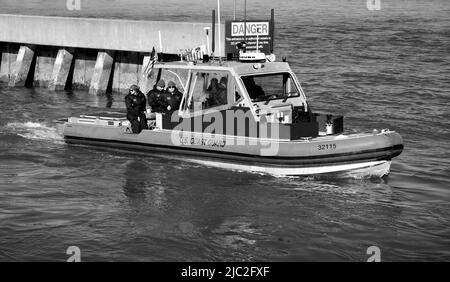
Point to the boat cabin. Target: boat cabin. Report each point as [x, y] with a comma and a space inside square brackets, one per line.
[236, 98]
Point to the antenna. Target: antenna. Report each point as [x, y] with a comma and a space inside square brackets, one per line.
[245, 20]
[258, 30]
[272, 28]
[207, 28]
[213, 33]
[218, 21]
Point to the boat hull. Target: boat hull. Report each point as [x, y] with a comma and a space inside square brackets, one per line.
[328, 154]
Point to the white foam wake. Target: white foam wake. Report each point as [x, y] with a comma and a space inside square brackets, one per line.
[357, 170]
[35, 131]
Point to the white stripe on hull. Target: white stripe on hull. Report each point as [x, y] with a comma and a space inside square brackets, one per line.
[354, 170]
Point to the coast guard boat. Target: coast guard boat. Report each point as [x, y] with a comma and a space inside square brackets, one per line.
[262, 123]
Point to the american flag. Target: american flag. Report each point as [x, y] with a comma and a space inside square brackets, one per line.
[151, 63]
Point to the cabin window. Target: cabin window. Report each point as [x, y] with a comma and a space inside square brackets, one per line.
[270, 87]
[207, 90]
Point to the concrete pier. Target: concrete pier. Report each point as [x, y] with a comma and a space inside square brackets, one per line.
[102, 72]
[85, 53]
[22, 66]
[8, 59]
[61, 69]
[45, 61]
[84, 63]
[126, 70]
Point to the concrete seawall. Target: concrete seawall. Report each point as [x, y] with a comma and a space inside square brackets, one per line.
[85, 53]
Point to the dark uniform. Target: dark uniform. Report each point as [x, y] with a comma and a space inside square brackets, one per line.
[173, 99]
[157, 100]
[136, 104]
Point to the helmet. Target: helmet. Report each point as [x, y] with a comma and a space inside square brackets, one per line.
[134, 87]
[161, 83]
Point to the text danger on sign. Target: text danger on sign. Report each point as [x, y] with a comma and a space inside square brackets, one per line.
[253, 28]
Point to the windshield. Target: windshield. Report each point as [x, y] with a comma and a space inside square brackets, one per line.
[270, 86]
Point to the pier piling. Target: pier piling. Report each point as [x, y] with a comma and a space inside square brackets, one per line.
[22, 66]
[102, 72]
[61, 69]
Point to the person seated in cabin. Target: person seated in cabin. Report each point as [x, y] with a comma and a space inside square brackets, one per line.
[157, 97]
[173, 98]
[218, 92]
[254, 91]
[136, 102]
[211, 92]
[213, 87]
[221, 98]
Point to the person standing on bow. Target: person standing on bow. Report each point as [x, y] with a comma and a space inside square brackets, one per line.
[136, 102]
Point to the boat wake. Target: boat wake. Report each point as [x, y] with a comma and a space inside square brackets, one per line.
[35, 131]
[376, 169]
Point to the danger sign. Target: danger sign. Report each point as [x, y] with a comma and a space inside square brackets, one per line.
[253, 28]
[258, 31]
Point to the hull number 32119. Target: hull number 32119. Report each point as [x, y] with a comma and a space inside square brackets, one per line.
[331, 146]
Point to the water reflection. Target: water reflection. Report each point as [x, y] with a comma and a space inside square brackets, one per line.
[143, 186]
[135, 181]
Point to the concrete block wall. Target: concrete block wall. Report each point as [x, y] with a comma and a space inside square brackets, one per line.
[98, 55]
[45, 61]
[83, 70]
[126, 70]
[76, 69]
[8, 57]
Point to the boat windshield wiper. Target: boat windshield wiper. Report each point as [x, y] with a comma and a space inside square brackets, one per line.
[269, 97]
[289, 95]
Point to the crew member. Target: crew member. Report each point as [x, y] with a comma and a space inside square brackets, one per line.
[254, 91]
[135, 102]
[157, 97]
[173, 97]
[218, 92]
[222, 95]
[212, 91]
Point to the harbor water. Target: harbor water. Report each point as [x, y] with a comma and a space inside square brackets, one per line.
[387, 68]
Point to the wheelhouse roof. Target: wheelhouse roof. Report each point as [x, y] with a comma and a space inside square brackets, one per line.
[239, 68]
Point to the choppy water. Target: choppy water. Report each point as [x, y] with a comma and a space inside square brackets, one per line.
[382, 69]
